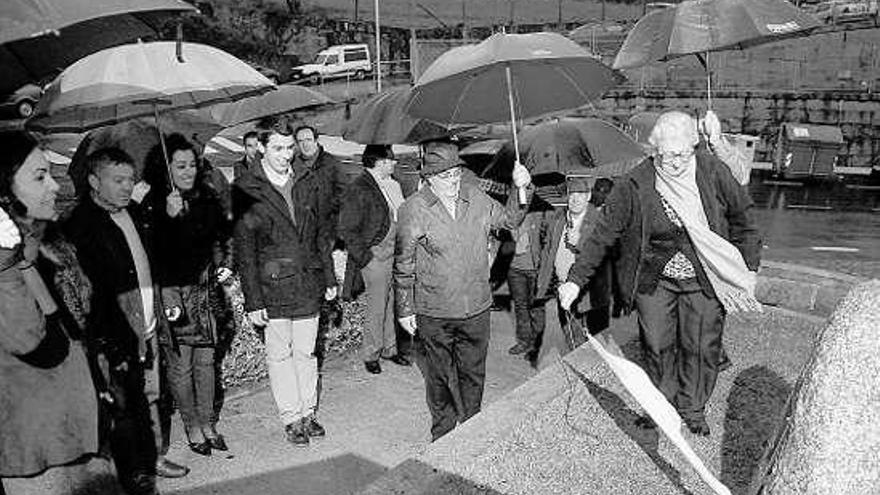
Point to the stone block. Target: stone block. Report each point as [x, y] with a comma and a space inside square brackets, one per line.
[831, 441]
[789, 294]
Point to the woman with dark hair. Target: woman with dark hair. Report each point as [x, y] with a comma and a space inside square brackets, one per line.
[191, 247]
[48, 404]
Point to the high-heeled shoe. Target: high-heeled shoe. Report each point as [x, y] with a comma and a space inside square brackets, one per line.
[201, 448]
[217, 443]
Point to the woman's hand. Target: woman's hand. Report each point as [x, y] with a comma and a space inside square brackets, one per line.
[9, 234]
[174, 204]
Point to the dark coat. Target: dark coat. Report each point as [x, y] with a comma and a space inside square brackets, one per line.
[623, 222]
[116, 319]
[599, 288]
[326, 175]
[189, 249]
[364, 220]
[283, 265]
[48, 404]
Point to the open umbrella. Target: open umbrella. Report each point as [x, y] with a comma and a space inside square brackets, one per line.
[698, 27]
[142, 79]
[509, 75]
[136, 137]
[573, 146]
[283, 99]
[38, 39]
[382, 119]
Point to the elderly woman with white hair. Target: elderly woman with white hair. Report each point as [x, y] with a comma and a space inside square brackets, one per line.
[689, 253]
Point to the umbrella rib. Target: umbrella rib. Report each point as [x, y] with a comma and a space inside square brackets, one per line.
[573, 83]
[458, 101]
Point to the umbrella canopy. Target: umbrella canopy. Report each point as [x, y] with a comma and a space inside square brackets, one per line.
[38, 39]
[382, 119]
[142, 79]
[700, 26]
[283, 99]
[543, 72]
[573, 146]
[137, 137]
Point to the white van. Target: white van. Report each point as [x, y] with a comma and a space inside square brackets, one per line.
[333, 62]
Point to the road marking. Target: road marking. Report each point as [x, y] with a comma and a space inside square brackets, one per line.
[835, 249]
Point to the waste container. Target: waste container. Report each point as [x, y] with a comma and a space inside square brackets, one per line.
[805, 151]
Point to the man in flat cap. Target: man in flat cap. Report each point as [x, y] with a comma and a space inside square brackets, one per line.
[441, 280]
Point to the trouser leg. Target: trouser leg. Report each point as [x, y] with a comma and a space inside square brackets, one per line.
[471, 345]
[204, 384]
[305, 333]
[435, 344]
[160, 413]
[132, 441]
[700, 328]
[180, 381]
[658, 322]
[521, 292]
[293, 368]
[377, 292]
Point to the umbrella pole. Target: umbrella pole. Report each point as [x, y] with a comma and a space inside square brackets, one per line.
[164, 148]
[708, 83]
[521, 191]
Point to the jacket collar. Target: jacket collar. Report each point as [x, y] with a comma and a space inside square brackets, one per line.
[644, 180]
[255, 184]
[465, 193]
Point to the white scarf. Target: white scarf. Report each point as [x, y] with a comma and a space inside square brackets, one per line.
[734, 284]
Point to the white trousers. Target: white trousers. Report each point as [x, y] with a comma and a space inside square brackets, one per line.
[293, 368]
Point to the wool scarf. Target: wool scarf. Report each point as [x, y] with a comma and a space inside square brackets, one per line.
[733, 282]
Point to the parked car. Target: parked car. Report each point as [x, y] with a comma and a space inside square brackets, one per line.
[335, 62]
[22, 102]
[834, 12]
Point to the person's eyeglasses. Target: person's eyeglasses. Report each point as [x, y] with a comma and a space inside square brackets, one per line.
[391, 161]
[677, 156]
[452, 173]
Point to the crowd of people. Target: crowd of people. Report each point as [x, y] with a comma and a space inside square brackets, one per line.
[118, 310]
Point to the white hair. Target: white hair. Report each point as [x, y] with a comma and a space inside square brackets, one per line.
[674, 125]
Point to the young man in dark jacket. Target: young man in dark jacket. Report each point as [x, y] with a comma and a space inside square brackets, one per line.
[286, 271]
[441, 281]
[127, 323]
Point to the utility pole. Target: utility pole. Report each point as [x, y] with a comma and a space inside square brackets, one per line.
[413, 47]
[512, 16]
[378, 49]
[559, 14]
[355, 11]
[464, 26]
[603, 12]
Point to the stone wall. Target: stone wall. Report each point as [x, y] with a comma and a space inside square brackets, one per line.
[761, 112]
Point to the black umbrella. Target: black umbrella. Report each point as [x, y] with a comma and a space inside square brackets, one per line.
[38, 39]
[382, 119]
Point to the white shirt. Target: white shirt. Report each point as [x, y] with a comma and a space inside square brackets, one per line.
[279, 180]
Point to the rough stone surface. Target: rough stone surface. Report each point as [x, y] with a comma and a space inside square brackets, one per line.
[570, 430]
[832, 440]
